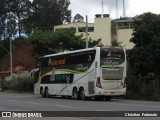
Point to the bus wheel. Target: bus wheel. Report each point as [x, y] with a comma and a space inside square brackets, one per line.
[42, 93]
[63, 97]
[75, 94]
[47, 93]
[69, 97]
[82, 94]
[108, 98]
[99, 98]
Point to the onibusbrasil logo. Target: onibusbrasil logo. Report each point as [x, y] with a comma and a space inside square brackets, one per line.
[21, 114]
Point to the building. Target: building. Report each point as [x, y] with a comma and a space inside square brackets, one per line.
[100, 29]
[124, 31]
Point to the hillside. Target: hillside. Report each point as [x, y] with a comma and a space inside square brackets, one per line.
[22, 59]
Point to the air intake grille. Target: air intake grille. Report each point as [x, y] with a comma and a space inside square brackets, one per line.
[112, 73]
[91, 87]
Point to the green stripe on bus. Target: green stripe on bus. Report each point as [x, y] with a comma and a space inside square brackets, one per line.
[65, 70]
[73, 82]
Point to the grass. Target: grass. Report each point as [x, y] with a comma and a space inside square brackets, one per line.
[13, 91]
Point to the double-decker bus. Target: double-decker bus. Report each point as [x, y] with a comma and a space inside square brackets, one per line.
[98, 72]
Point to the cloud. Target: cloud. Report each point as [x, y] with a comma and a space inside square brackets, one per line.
[111, 4]
[132, 7]
[92, 7]
[142, 6]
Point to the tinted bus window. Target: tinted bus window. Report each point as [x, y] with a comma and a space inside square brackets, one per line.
[112, 53]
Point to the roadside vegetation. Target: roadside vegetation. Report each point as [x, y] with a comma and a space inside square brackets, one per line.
[144, 59]
[17, 85]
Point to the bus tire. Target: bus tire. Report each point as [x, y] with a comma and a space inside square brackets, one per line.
[75, 94]
[47, 93]
[42, 93]
[63, 97]
[99, 98]
[69, 97]
[82, 94]
[108, 98]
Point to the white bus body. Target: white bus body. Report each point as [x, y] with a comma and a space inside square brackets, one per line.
[93, 72]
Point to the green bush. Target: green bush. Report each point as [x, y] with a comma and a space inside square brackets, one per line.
[18, 84]
[156, 97]
[147, 91]
[4, 84]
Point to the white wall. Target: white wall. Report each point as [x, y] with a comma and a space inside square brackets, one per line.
[102, 29]
[124, 36]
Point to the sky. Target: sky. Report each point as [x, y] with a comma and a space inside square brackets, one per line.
[132, 8]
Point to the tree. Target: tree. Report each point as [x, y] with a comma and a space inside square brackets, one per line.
[115, 43]
[12, 14]
[146, 27]
[78, 18]
[4, 48]
[21, 55]
[49, 42]
[18, 17]
[145, 56]
[47, 13]
[3, 17]
[20, 9]
[145, 38]
[64, 12]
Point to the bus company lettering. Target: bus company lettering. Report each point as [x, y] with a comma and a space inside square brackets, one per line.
[55, 62]
[80, 67]
[110, 62]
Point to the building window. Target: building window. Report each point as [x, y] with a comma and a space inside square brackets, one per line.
[65, 29]
[83, 29]
[126, 25]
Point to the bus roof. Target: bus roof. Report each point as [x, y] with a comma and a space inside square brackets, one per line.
[68, 52]
[81, 50]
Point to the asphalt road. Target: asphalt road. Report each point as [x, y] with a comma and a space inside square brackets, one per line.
[30, 102]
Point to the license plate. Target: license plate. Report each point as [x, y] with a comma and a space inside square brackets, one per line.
[112, 92]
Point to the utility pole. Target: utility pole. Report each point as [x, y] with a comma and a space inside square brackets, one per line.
[11, 64]
[86, 31]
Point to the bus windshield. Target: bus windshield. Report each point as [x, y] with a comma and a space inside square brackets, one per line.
[110, 59]
[111, 56]
[113, 53]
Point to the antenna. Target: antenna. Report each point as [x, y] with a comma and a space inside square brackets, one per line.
[124, 11]
[102, 8]
[117, 8]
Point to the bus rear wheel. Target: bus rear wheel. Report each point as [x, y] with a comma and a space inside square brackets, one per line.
[108, 98]
[47, 93]
[82, 94]
[75, 93]
[42, 93]
[99, 98]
